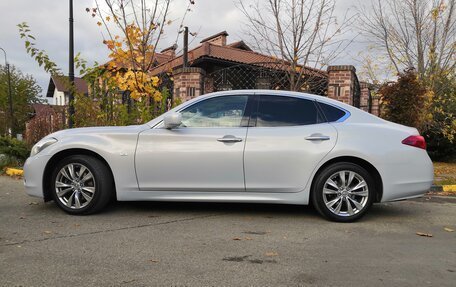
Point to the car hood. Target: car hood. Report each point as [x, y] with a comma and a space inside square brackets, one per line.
[99, 131]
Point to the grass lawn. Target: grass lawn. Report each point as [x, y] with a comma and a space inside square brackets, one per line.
[444, 173]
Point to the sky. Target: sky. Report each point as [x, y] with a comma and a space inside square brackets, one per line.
[48, 21]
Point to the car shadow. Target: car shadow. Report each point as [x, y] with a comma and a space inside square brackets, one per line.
[210, 207]
[378, 211]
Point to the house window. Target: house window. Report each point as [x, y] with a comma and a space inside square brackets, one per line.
[57, 101]
[191, 92]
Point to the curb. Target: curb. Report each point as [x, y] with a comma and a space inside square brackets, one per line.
[449, 188]
[14, 172]
[443, 188]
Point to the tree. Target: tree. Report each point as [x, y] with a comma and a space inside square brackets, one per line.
[297, 32]
[406, 101]
[133, 30]
[413, 33]
[133, 53]
[141, 26]
[25, 92]
[421, 34]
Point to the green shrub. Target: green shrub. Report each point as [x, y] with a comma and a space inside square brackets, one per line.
[15, 152]
[440, 133]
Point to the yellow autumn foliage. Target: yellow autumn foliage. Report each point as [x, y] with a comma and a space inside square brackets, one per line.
[131, 59]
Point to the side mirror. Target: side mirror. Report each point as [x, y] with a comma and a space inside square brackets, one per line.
[172, 120]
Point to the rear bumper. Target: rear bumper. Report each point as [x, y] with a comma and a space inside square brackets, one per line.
[407, 191]
[33, 175]
[410, 179]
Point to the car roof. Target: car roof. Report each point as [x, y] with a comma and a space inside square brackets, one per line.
[308, 96]
[356, 115]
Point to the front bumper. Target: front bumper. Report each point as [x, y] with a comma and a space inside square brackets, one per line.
[33, 174]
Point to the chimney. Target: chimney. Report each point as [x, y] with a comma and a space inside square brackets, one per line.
[218, 39]
[185, 54]
[170, 51]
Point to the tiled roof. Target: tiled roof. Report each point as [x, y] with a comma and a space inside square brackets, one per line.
[240, 45]
[223, 33]
[45, 109]
[159, 58]
[228, 53]
[59, 83]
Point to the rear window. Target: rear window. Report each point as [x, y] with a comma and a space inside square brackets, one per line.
[332, 113]
[279, 111]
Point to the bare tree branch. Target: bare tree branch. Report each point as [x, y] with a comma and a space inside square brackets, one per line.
[413, 33]
[299, 33]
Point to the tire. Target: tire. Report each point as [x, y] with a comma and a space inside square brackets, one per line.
[81, 185]
[338, 200]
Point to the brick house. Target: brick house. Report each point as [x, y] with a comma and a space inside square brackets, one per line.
[215, 65]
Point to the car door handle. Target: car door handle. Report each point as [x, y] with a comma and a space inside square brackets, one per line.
[317, 138]
[229, 139]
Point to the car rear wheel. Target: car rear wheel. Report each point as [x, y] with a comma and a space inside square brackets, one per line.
[343, 192]
[81, 184]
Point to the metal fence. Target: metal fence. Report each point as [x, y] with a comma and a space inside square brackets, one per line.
[264, 76]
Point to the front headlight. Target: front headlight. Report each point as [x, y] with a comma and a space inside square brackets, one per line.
[42, 144]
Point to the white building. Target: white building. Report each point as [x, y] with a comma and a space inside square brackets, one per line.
[58, 89]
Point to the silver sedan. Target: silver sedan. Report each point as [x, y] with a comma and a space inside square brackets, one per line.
[257, 146]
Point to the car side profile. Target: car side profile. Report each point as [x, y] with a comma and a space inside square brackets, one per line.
[258, 146]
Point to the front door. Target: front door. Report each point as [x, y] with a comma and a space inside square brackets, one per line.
[204, 154]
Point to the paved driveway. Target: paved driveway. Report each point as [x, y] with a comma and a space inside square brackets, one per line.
[169, 244]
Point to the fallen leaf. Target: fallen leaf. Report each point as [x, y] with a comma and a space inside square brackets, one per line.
[47, 232]
[237, 238]
[77, 224]
[424, 234]
[153, 261]
[248, 238]
[271, 253]
[448, 229]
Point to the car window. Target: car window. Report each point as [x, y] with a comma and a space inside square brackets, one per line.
[224, 111]
[332, 113]
[278, 111]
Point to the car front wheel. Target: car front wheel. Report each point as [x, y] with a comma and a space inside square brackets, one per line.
[81, 184]
[343, 192]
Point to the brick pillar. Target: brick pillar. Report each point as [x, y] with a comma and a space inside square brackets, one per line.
[341, 81]
[188, 83]
[365, 95]
[375, 109]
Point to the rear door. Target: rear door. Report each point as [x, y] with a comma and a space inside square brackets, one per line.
[287, 139]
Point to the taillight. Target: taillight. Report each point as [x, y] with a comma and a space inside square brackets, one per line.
[416, 141]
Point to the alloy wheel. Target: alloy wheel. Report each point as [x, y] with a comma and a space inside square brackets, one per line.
[345, 193]
[75, 186]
